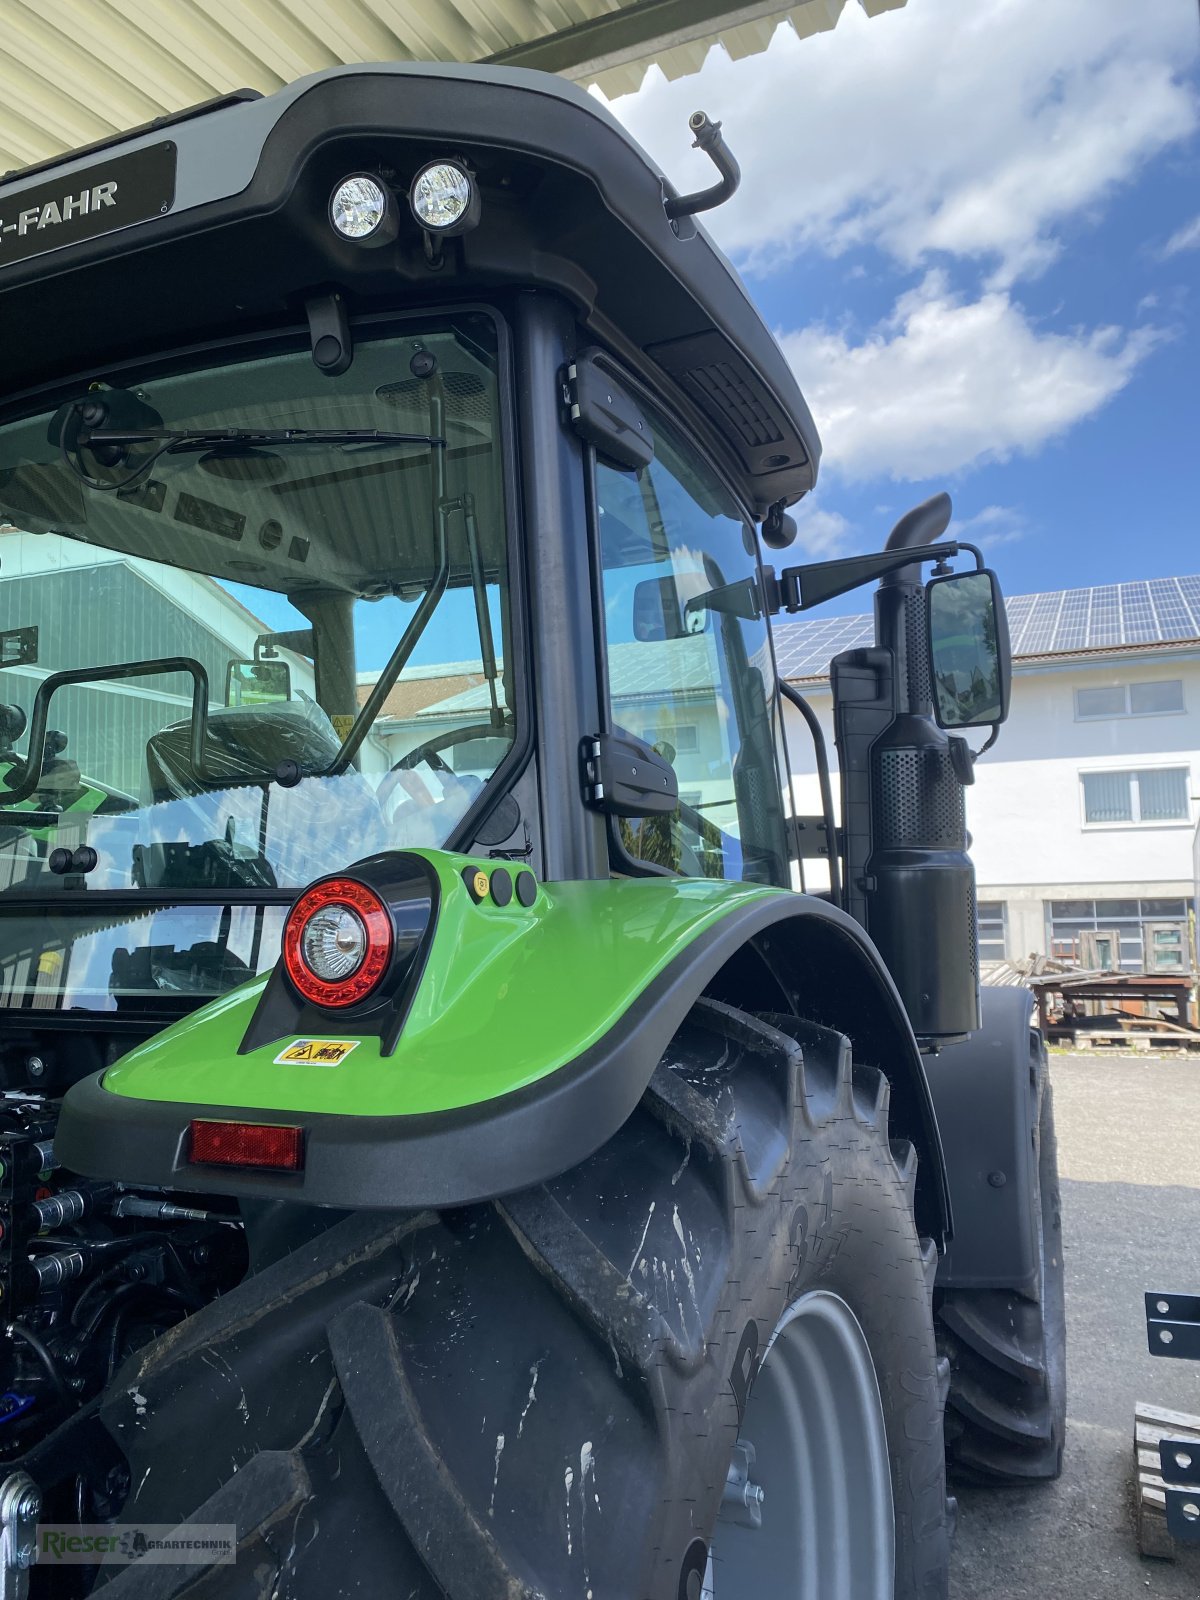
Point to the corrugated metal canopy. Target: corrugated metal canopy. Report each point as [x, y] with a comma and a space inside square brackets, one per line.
[76, 71]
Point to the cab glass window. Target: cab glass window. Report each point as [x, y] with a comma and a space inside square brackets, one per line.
[690, 667]
[263, 635]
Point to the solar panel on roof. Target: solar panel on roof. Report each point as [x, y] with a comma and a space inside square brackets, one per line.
[1145, 611]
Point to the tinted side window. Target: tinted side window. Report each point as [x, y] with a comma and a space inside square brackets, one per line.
[686, 672]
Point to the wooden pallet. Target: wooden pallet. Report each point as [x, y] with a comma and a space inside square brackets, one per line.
[1150, 1424]
[1147, 1039]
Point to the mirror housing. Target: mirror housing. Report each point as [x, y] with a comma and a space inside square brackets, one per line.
[257, 683]
[661, 611]
[970, 663]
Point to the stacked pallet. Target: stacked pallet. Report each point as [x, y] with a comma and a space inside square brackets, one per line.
[1150, 1425]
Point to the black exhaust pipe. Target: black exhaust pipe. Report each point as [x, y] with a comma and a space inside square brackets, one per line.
[921, 911]
[913, 885]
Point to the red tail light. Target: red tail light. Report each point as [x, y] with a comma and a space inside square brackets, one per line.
[247, 1144]
[337, 942]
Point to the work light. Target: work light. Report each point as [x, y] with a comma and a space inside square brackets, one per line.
[361, 208]
[444, 198]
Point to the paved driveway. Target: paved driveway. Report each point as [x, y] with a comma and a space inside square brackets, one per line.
[1129, 1146]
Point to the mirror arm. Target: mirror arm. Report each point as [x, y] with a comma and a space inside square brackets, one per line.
[740, 599]
[267, 645]
[801, 588]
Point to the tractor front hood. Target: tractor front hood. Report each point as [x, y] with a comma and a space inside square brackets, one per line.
[216, 223]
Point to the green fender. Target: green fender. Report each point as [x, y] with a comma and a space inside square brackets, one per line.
[530, 1037]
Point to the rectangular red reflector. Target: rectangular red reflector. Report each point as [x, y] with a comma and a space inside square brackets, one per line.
[247, 1144]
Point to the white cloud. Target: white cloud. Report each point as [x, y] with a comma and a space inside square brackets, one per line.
[822, 534]
[994, 525]
[946, 126]
[1185, 238]
[945, 384]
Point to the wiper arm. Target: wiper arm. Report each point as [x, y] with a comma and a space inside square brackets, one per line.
[181, 439]
[108, 445]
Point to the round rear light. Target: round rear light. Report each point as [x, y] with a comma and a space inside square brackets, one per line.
[337, 942]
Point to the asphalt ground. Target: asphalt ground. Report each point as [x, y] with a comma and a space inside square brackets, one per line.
[1129, 1154]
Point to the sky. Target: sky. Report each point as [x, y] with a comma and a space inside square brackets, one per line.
[975, 231]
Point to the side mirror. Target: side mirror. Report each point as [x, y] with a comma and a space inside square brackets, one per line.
[257, 683]
[969, 656]
[661, 610]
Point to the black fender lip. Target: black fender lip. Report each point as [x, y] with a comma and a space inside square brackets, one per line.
[495, 1147]
[982, 1093]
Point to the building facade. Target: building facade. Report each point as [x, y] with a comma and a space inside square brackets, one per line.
[1084, 814]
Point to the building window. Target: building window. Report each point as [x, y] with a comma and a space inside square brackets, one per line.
[1156, 699]
[1101, 702]
[1130, 934]
[992, 941]
[1150, 797]
[684, 736]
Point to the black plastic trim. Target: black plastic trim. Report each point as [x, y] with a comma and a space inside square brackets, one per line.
[560, 598]
[987, 1111]
[282, 1010]
[65, 896]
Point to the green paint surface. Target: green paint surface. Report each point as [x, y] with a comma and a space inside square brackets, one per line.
[508, 995]
[86, 801]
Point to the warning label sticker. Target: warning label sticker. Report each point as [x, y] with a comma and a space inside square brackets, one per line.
[316, 1052]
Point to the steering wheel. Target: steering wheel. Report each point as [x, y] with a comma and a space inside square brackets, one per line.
[402, 773]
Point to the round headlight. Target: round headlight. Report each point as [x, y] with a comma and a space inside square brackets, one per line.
[444, 198]
[360, 208]
[337, 942]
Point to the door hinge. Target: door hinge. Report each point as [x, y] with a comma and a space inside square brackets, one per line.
[604, 413]
[626, 777]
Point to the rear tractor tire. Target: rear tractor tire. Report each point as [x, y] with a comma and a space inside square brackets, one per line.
[722, 1318]
[1007, 1408]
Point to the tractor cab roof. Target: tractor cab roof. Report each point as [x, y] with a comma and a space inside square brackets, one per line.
[216, 222]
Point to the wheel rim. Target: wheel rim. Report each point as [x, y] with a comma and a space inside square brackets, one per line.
[819, 1453]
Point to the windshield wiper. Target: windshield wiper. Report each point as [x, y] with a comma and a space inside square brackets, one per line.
[108, 445]
[178, 439]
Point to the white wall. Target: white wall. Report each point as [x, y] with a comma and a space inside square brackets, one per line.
[1025, 809]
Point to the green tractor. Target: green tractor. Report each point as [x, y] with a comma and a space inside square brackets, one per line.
[441, 1153]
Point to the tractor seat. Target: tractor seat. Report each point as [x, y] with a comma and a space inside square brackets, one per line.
[243, 742]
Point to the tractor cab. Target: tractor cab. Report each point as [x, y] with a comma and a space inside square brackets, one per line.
[396, 823]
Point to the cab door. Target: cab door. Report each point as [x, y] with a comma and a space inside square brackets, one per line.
[689, 667]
